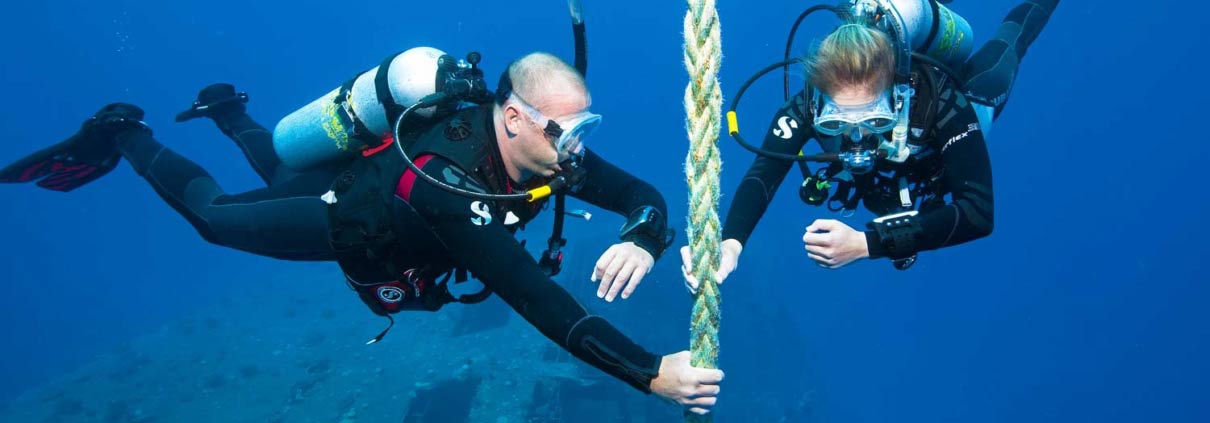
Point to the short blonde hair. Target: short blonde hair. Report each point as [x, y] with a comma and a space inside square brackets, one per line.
[853, 55]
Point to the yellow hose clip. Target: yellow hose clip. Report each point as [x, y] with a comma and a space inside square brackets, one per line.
[539, 193]
[732, 123]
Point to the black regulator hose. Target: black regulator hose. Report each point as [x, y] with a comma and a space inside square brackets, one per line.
[581, 38]
[556, 183]
[841, 13]
[733, 125]
[961, 84]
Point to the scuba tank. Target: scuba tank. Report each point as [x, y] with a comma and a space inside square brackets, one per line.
[340, 123]
[921, 28]
[934, 30]
[936, 34]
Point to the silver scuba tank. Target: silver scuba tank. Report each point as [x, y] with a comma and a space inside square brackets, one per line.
[952, 41]
[323, 130]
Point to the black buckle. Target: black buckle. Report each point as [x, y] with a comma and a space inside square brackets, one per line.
[904, 263]
[551, 261]
[553, 131]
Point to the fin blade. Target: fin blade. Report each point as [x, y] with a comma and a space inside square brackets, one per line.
[77, 176]
[26, 173]
[52, 171]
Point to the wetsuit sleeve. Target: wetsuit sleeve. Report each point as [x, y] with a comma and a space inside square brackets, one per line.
[473, 233]
[967, 178]
[789, 131]
[611, 188]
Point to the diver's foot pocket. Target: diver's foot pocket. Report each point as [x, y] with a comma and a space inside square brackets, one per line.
[216, 101]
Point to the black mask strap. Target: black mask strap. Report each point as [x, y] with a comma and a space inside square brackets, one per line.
[504, 88]
[553, 130]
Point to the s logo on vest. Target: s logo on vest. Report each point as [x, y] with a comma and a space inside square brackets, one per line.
[480, 209]
[785, 127]
[390, 294]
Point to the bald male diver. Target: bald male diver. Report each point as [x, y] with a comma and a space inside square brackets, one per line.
[436, 198]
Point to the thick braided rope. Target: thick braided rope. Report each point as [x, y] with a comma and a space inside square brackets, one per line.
[703, 106]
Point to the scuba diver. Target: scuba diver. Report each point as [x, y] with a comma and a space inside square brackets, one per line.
[405, 208]
[900, 132]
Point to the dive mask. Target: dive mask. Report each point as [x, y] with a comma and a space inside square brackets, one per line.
[877, 117]
[567, 136]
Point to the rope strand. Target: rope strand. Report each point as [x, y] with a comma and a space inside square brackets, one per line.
[703, 108]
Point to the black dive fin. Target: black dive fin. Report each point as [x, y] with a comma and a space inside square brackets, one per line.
[214, 99]
[84, 157]
[61, 167]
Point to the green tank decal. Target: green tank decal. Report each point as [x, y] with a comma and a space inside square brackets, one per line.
[949, 43]
[945, 42]
[334, 125]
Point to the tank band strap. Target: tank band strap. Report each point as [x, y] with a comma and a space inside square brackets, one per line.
[360, 130]
[382, 87]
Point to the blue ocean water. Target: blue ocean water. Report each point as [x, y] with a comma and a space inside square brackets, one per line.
[1084, 305]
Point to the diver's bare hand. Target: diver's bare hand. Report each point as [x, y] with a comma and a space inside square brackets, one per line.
[694, 388]
[833, 244]
[728, 261]
[622, 266]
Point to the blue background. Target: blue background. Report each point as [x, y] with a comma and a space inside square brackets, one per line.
[1088, 303]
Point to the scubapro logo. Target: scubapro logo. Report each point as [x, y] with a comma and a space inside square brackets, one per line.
[480, 209]
[785, 127]
[390, 294]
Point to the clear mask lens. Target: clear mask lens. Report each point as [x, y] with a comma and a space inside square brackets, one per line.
[875, 117]
[566, 141]
[572, 141]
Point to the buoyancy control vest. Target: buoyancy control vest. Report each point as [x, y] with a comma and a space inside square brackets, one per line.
[388, 252]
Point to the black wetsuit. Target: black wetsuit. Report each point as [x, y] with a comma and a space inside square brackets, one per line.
[289, 220]
[953, 162]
